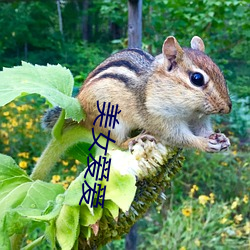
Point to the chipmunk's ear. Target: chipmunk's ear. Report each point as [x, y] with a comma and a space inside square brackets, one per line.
[197, 43]
[171, 49]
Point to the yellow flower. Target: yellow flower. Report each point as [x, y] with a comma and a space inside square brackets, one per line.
[234, 152]
[223, 220]
[55, 178]
[24, 107]
[6, 113]
[224, 164]
[235, 203]
[245, 199]
[211, 195]
[35, 159]
[187, 211]
[19, 108]
[223, 235]
[77, 162]
[70, 178]
[4, 134]
[12, 105]
[24, 154]
[203, 199]
[6, 141]
[238, 159]
[73, 168]
[193, 190]
[197, 242]
[65, 163]
[29, 135]
[29, 124]
[238, 218]
[23, 164]
[183, 248]
[6, 149]
[247, 227]
[14, 123]
[238, 233]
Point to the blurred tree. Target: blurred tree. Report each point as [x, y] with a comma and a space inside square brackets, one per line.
[58, 2]
[86, 21]
[134, 23]
[30, 31]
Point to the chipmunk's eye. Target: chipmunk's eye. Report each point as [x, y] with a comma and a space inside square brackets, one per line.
[197, 79]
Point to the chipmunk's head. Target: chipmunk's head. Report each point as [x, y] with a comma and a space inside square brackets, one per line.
[197, 75]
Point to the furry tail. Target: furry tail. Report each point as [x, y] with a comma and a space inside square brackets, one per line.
[50, 118]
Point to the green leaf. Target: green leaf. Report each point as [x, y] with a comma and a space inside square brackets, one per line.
[6, 186]
[112, 208]
[8, 220]
[80, 151]
[46, 215]
[50, 234]
[14, 198]
[120, 189]
[40, 193]
[34, 243]
[67, 226]
[86, 218]
[4, 240]
[27, 201]
[86, 232]
[9, 168]
[53, 82]
[20, 198]
[74, 194]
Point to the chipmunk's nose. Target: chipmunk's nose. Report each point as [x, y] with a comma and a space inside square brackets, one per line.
[227, 108]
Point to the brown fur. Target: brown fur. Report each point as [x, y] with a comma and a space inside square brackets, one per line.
[156, 95]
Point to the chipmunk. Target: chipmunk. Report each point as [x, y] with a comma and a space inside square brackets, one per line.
[169, 97]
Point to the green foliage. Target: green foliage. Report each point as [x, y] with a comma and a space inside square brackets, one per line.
[223, 25]
[81, 58]
[238, 121]
[52, 82]
[20, 197]
[198, 224]
[30, 32]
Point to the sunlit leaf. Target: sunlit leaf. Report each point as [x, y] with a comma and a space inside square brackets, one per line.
[86, 218]
[67, 226]
[9, 168]
[53, 82]
[120, 189]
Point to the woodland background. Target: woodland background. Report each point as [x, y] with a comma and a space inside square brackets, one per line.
[207, 206]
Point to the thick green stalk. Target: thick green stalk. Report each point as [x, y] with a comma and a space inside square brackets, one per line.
[57, 147]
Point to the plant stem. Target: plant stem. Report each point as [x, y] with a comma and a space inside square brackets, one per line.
[58, 146]
[16, 240]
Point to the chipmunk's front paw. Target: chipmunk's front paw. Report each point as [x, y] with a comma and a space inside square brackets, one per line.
[141, 139]
[218, 142]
